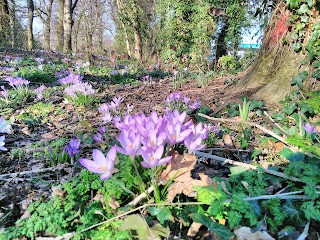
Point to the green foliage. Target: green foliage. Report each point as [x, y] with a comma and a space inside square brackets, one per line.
[34, 74]
[74, 211]
[217, 228]
[229, 63]
[183, 36]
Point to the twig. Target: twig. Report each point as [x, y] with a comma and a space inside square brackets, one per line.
[245, 165]
[142, 196]
[304, 234]
[289, 195]
[141, 207]
[3, 176]
[261, 128]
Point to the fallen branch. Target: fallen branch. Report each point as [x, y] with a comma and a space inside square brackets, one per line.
[3, 176]
[273, 134]
[289, 195]
[245, 165]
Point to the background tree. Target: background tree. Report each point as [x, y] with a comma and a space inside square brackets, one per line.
[68, 24]
[30, 24]
[60, 29]
[4, 22]
[44, 10]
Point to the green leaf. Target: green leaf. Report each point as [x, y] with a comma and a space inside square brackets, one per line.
[237, 170]
[159, 230]
[293, 3]
[217, 228]
[303, 9]
[299, 79]
[317, 64]
[292, 156]
[300, 26]
[304, 19]
[296, 46]
[207, 194]
[162, 214]
[316, 74]
[294, 36]
[295, 216]
[136, 222]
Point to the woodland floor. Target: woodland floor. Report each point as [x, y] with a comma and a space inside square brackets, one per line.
[29, 140]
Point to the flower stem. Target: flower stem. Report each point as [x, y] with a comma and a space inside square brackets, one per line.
[139, 176]
[156, 188]
[122, 186]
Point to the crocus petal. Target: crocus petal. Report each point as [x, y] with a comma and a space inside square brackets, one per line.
[105, 176]
[164, 160]
[98, 157]
[145, 164]
[90, 165]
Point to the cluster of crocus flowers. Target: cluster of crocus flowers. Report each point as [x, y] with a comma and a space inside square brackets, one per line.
[81, 88]
[178, 101]
[111, 111]
[17, 81]
[70, 79]
[152, 137]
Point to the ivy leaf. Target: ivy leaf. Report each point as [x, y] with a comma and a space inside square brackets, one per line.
[309, 2]
[303, 9]
[292, 156]
[162, 214]
[317, 64]
[299, 79]
[217, 228]
[294, 36]
[304, 19]
[316, 74]
[293, 3]
[295, 217]
[296, 46]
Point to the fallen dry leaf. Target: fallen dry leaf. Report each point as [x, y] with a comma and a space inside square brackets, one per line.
[179, 168]
[194, 229]
[113, 203]
[244, 233]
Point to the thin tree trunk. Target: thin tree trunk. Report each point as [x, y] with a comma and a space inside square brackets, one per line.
[30, 24]
[12, 17]
[137, 48]
[60, 30]
[67, 25]
[120, 7]
[4, 13]
[47, 26]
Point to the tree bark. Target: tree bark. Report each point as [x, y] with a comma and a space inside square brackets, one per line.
[67, 25]
[269, 79]
[60, 30]
[12, 17]
[4, 14]
[47, 26]
[30, 24]
[137, 42]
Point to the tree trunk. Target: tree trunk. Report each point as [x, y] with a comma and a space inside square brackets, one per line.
[269, 79]
[60, 30]
[137, 48]
[67, 25]
[30, 24]
[4, 15]
[47, 26]
[12, 17]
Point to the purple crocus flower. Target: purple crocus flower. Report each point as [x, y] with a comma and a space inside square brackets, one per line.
[39, 60]
[310, 128]
[102, 130]
[196, 105]
[130, 142]
[4, 92]
[113, 72]
[39, 91]
[153, 158]
[98, 137]
[2, 143]
[7, 58]
[100, 164]
[74, 147]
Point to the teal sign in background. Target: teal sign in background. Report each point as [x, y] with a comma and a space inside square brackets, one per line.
[250, 45]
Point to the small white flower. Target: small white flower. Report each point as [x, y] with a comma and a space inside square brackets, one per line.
[2, 148]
